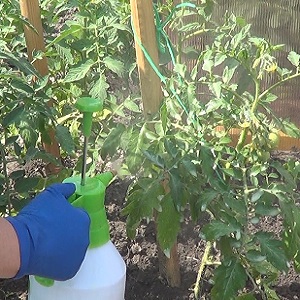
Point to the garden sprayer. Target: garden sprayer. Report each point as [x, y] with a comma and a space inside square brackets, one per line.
[103, 271]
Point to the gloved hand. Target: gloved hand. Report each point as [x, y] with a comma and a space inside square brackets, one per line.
[53, 235]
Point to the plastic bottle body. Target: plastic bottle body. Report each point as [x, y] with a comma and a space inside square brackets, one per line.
[101, 276]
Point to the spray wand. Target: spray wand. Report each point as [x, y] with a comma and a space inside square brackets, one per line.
[87, 106]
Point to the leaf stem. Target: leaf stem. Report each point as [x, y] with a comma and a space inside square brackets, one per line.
[268, 90]
[256, 97]
[246, 198]
[4, 168]
[204, 261]
[193, 34]
[233, 93]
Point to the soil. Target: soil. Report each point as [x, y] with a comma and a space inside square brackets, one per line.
[143, 279]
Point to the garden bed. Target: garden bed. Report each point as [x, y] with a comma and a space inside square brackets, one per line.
[140, 255]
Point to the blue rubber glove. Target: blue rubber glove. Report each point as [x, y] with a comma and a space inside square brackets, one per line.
[53, 235]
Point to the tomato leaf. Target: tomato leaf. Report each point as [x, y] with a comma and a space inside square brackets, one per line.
[229, 278]
[168, 224]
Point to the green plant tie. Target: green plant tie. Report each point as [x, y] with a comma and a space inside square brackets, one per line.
[160, 27]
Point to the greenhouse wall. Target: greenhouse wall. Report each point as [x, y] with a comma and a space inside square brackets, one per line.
[277, 21]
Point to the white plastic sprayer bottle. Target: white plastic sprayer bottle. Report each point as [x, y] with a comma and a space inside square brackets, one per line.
[103, 271]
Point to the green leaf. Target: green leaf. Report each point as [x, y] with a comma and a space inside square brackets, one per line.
[11, 140]
[14, 115]
[208, 62]
[290, 129]
[248, 296]
[216, 229]
[190, 167]
[244, 82]
[256, 195]
[168, 224]
[291, 232]
[289, 180]
[20, 63]
[164, 116]
[24, 185]
[65, 52]
[229, 70]
[206, 197]
[207, 65]
[229, 278]
[237, 39]
[137, 144]
[79, 71]
[216, 88]
[294, 58]
[28, 132]
[156, 159]
[255, 256]
[180, 69]
[31, 153]
[141, 200]
[270, 98]
[219, 58]
[235, 204]
[65, 139]
[266, 206]
[176, 188]
[271, 294]
[114, 65]
[131, 105]
[273, 249]
[3, 200]
[22, 87]
[112, 141]
[209, 168]
[99, 88]
[74, 29]
[17, 174]
[170, 147]
[18, 204]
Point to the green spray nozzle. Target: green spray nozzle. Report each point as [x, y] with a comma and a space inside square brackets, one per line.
[87, 106]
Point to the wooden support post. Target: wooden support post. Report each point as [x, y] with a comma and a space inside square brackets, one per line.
[144, 28]
[30, 9]
[143, 23]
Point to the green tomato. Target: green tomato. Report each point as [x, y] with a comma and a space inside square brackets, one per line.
[263, 155]
[273, 140]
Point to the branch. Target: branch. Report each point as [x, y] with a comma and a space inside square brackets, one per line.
[278, 84]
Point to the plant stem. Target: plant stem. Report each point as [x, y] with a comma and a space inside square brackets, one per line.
[4, 168]
[233, 93]
[256, 97]
[204, 261]
[242, 138]
[246, 197]
[193, 34]
[268, 90]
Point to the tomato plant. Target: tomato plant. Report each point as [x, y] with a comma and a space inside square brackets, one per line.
[184, 148]
[86, 43]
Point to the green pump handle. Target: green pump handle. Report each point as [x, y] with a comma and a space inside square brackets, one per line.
[90, 197]
[87, 106]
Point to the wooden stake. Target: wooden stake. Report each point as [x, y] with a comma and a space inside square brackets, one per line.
[30, 9]
[143, 23]
[144, 28]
